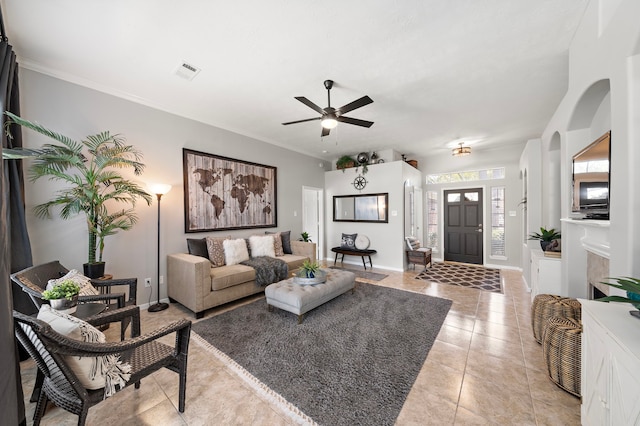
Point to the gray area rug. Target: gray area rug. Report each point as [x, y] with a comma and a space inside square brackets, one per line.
[352, 361]
[373, 276]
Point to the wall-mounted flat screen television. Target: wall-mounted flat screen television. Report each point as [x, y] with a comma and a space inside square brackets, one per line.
[591, 177]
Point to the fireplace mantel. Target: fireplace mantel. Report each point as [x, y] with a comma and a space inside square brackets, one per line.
[596, 235]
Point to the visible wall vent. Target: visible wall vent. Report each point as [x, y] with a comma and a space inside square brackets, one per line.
[186, 71]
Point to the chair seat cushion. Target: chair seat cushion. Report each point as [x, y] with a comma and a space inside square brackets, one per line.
[93, 372]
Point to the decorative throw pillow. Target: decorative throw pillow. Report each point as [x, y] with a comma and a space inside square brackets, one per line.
[262, 245]
[198, 247]
[215, 250]
[348, 241]
[86, 288]
[99, 372]
[286, 241]
[235, 251]
[362, 242]
[277, 244]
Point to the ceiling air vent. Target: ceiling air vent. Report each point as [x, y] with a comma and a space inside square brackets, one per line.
[186, 71]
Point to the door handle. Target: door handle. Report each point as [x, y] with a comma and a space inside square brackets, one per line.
[479, 230]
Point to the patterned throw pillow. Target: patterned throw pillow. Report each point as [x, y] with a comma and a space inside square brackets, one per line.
[277, 244]
[286, 241]
[215, 250]
[99, 372]
[235, 251]
[262, 245]
[348, 241]
[86, 288]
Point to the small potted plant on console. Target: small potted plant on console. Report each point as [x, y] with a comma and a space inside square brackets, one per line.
[546, 237]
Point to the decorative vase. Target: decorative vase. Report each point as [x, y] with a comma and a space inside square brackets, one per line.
[64, 304]
[93, 270]
[544, 245]
[374, 158]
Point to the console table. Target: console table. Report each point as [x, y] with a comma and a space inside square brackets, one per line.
[353, 252]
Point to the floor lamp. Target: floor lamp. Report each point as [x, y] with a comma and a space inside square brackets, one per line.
[159, 189]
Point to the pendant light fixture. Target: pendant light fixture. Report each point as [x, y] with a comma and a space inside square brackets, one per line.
[461, 151]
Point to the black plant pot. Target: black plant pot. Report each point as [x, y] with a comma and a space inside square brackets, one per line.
[94, 270]
[544, 244]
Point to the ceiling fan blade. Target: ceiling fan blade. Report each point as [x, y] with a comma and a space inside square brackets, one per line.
[355, 121]
[302, 121]
[325, 132]
[358, 103]
[310, 104]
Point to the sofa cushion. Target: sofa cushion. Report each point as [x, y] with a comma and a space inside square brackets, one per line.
[215, 250]
[197, 247]
[262, 245]
[235, 251]
[293, 261]
[286, 241]
[277, 245]
[230, 275]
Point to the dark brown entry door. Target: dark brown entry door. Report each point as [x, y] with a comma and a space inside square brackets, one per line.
[463, 225]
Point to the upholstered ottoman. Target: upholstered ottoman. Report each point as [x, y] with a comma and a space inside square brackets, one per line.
[300, 299]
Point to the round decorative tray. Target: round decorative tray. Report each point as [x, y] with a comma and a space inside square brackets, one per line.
[301, 279]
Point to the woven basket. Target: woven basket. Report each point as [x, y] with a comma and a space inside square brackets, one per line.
[561, 348]
[547, 306]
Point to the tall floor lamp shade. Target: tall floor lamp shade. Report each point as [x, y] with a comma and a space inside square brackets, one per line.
[159, 189]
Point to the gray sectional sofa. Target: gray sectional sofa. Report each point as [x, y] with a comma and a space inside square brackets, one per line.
[194, 283]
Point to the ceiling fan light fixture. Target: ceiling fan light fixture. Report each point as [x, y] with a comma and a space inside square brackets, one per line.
[461, 151]
[329, 122]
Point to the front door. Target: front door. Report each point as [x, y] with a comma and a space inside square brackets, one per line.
[463, 225]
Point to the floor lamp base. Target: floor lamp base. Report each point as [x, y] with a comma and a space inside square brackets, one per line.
[157, 307]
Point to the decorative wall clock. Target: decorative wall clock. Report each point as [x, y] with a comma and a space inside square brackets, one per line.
[360, 182]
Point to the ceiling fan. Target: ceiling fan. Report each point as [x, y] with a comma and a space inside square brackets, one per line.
[331, 116]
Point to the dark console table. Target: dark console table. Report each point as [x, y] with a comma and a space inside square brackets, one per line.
[353, 252]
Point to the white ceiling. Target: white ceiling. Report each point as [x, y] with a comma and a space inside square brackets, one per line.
[437, 70]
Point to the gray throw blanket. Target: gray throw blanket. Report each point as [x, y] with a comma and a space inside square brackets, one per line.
[268, 269]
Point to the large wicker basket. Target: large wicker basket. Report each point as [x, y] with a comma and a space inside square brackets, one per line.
[561, 347]
[547, 306]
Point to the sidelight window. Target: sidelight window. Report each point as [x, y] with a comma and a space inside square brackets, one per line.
[497, 222]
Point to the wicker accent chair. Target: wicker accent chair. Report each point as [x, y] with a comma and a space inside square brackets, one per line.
[33, 281]
[61, 386]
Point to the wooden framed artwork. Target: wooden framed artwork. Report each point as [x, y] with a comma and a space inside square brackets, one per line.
[222, 193]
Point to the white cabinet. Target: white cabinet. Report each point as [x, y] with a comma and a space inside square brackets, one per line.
[610, 364]
[545, 274]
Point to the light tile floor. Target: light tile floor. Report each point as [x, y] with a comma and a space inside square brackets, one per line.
[484, 368]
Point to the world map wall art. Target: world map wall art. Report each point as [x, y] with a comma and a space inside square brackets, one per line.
[222, 193]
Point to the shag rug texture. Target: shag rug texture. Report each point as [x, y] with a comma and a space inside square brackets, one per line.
[352, 361]
[463, 275]
[373, 276]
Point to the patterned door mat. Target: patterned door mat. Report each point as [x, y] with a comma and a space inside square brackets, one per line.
[463, 275]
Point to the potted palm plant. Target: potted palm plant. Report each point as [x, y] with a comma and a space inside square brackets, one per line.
[631, 286]
[546, 237]
[91, 170]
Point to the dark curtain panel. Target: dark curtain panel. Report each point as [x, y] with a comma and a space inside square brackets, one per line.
[11, 207]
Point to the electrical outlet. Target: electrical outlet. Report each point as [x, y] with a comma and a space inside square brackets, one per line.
[161, 279]
[147, 282]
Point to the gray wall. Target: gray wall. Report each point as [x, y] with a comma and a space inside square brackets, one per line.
[77, 111]
[507, 157]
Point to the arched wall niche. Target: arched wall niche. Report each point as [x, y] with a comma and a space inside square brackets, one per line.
[554, 186]
[589, 104]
